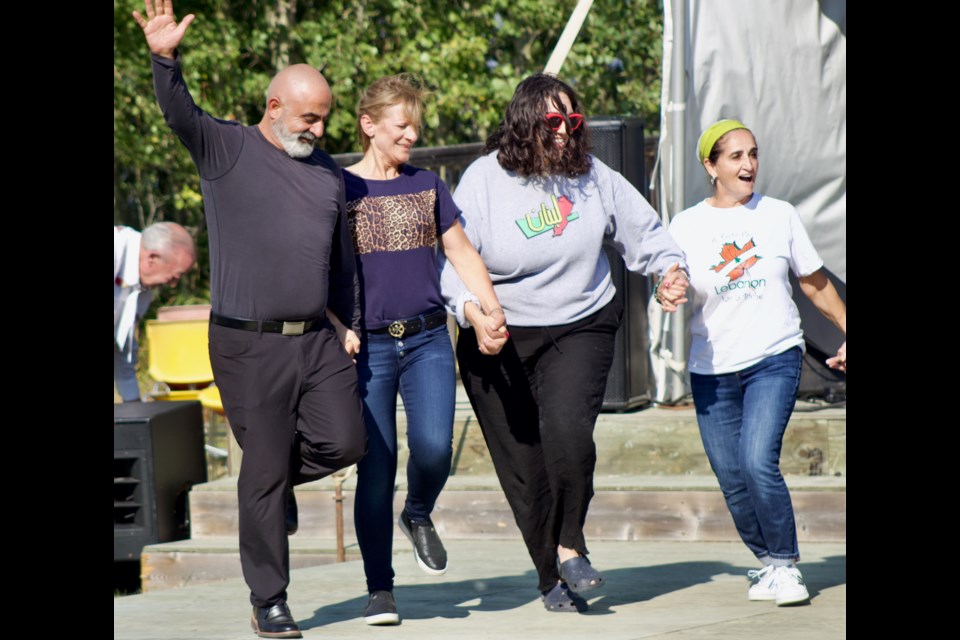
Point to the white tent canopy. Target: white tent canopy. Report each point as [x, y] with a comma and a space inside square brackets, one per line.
[780, 68]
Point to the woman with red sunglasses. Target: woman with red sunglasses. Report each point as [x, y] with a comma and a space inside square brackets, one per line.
[539, 209]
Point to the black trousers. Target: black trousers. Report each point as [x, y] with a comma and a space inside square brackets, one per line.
[537, 403]
[293, 407]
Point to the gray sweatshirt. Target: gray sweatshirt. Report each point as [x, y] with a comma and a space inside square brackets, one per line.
[541, 240]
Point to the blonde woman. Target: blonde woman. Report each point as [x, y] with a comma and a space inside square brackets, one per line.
[399, 216]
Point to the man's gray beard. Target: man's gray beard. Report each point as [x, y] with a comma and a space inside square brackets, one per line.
[292, 144]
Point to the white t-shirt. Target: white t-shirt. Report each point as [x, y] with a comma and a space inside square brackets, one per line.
[743, 310]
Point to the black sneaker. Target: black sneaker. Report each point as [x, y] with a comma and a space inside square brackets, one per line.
[427, 548]
[381, 609]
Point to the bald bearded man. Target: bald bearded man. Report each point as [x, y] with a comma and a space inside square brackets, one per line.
[280, 254]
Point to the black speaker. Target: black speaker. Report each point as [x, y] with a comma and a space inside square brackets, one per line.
[158, 455]
[618, 142]
[822, 339]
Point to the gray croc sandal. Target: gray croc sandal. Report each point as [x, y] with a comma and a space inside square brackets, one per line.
[561, 599]
[579, 574]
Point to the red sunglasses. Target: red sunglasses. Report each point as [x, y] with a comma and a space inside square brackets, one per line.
[554, 120]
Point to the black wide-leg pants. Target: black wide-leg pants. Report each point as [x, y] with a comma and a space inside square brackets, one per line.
[537, 402]
[293, 406]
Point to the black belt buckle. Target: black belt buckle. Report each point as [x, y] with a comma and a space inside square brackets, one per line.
[396, 329]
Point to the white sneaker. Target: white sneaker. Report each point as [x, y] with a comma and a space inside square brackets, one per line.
[766, 588]
[790, 586]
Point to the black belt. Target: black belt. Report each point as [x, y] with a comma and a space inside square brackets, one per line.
[413, 326]
[287, 328]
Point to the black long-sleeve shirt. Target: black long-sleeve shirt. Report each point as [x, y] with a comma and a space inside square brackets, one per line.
[280, 248]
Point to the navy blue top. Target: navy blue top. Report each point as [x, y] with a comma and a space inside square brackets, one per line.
[395, 225]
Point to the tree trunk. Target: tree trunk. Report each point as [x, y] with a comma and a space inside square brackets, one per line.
[281, 20]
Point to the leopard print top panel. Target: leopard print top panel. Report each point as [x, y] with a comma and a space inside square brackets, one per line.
[393, 223]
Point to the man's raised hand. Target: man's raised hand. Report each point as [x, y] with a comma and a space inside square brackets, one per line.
[161, 30]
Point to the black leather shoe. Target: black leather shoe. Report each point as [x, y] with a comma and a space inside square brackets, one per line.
[274, 622]
[427, 548]
[291, 515]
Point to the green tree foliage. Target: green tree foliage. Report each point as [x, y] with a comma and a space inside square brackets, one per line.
[470, 53]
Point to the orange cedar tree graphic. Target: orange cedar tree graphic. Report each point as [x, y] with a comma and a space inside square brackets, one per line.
[731, 253]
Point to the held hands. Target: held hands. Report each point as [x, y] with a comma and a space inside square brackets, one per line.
[839, 361]
[672, 288]
[161, 29]
[350, 341]
[491, 329]
[347, 337]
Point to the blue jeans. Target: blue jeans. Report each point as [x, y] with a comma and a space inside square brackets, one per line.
[742, 418]
[421, 369]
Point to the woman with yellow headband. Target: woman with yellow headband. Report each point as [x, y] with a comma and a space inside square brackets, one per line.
[747, 345]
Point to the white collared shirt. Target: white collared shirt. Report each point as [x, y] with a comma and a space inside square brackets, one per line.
[130, 301]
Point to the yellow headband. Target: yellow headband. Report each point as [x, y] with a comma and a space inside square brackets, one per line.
[713, 133]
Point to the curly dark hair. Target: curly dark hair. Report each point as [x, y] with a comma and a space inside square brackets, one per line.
[525, 140]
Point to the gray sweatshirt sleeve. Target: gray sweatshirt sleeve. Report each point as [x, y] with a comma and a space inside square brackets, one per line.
[634, 230]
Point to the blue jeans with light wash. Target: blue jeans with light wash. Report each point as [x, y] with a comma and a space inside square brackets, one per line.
[421, 369]
[742, 418]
